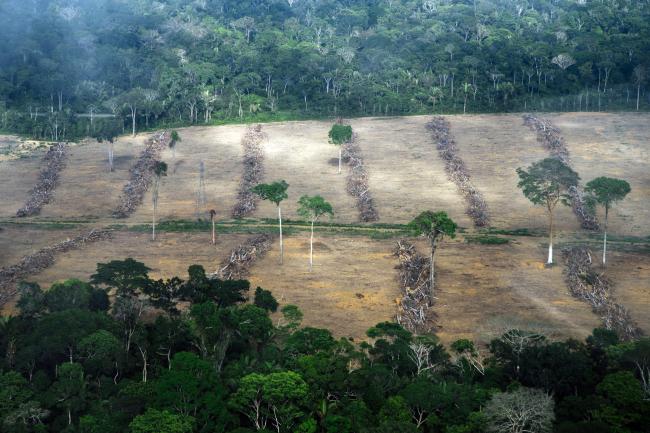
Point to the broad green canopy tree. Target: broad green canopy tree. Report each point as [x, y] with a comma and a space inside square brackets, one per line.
[274, 192]
[313, 208]
[606, 191]
[175, 138]
[340, 134]
[435, 226]
[546, 183]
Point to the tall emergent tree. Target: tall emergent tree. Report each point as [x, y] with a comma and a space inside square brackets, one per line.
[313, 208]
[546, 183]
[338, 135]
[606, 191]
[433, 225]
[108, 132]
[274, 192]
[175, 138]
[159, 170]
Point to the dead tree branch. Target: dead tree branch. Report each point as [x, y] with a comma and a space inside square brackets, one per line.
[48, 179]
[457, 171]
[237, 265]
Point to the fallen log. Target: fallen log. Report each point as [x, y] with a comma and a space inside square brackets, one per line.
[42, 259]
[141, 175]
[596, 289]
[253, 164]
[457, 171]
[237, 265]
[48, 180]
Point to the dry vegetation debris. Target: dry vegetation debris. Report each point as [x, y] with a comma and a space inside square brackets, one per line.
[48, 179]
[357, 181]
[253, 170]
[550, 137]
[237, 265]
[141, 175]
[457, 171]
[414, 311]
[596, 289]
[42, 259]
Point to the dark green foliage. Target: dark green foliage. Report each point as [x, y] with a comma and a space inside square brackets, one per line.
[340, 134]
[274, 192]
[225, 366]
[546, 181]
[433, 224]
[264, 299]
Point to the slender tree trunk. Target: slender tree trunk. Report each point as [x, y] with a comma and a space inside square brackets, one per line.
[281, 245]
[133, 110]
[214, 235]
[153, 224]
[638, 94]
[605, 237]
[69, 417]
[311, 247]
[550, 238]
[340, 153]
[432, 270]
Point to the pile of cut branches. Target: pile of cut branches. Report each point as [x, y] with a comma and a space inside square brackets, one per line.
[414, 311]
[549, 136]
[42, 259]
[595, 289]
[253, 170]
[357, 181]
[141, 175]
[48, 179]
[236, 266]
[457, 171]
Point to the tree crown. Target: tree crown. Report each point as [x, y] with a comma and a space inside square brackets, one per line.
[433, 224]
[314, 207]
[545, 181]
[340, 134]
[274, 192]
[606, 190]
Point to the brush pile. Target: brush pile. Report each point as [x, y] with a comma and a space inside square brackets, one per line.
[414, 311]
[141, 175]
[42, 259]
[253, 171]
[548, 135]
[237, 265]
[595, 289]
[48, 179]
[457, 171]
[357, 181]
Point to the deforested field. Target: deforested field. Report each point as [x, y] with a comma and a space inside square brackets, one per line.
[481, 290]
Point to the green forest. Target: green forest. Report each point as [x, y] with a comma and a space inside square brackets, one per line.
[68, 68]
[207, 361]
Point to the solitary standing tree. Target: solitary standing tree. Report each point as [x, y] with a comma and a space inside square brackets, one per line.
[606, 191]
[175, 138]
[433, 225]
[313, 208]
[108, 132]
[159, 170]
[546, 183]
[338, 135]
[274, 192]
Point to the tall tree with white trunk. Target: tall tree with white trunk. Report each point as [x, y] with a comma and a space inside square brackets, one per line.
[313, 208]
[340, 134]
[274, 192]
[606, 191]
[546, 183]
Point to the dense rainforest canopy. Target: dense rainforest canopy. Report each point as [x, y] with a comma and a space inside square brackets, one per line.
[149, 63]
[191, 355]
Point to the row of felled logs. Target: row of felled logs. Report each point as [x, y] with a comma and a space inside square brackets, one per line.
[457, 171]
[42, 259]
[595, 289]
[48, 179]
[141, 175]
[357, 181]
[414, 311]
[237, 265]
[253, 165]
[549, 136]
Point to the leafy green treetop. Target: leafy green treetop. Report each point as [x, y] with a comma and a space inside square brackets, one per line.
[313, 208]
[274, 192]
[338, 135]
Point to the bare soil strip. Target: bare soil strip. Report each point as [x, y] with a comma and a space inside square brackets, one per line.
[141, 175]
[595, 289]
[253, 163]
[457, 171]
[42, 193]
[357, 181]
[414, 309]
[42, 259]
[549, 136]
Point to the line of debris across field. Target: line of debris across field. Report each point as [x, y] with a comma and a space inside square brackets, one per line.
[48, 180]
[357, 181]
[253, 164]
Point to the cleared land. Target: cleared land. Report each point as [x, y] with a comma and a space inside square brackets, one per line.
[482, 289]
